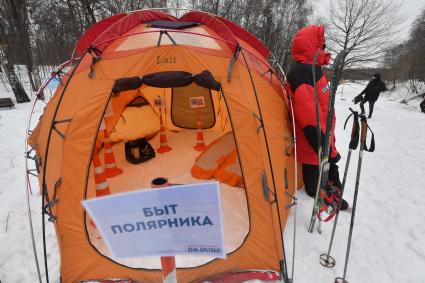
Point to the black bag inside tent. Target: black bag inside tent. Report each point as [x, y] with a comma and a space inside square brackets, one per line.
[138, 151]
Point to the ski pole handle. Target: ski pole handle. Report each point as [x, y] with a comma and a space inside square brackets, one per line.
[355, 130]
[363, 132]
[354, 135]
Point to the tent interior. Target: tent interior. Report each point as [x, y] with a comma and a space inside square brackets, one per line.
[132, 121]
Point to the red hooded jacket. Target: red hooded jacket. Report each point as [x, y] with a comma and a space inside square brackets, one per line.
[306, 43]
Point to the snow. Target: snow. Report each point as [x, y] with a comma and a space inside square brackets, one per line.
[389, 221]
[387, 243]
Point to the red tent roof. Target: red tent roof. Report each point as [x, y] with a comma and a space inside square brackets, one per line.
[101, 34]
[126, 24]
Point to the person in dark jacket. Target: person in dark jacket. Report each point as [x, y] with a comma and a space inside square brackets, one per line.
[306, 43]
[371, 92]
[422, 105]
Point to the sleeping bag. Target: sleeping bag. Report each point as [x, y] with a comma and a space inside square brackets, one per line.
[219, 161]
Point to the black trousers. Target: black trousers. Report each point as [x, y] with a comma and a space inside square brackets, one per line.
[422, 105]
[311, 176]
[371, 103]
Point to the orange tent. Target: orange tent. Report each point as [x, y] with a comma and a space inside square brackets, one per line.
[169, 61]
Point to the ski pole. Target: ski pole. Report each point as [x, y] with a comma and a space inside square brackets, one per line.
[319, 145]
[363, 134]
[326, 259]
[324, 149]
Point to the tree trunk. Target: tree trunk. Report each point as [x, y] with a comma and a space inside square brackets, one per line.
[19, 15]
[89, 13]
[17, 88]
[78, 25]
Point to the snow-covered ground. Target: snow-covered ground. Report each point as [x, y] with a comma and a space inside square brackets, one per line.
[387, 244]
[389, 226]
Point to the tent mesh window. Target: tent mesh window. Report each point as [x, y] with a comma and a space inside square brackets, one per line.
[190, 101]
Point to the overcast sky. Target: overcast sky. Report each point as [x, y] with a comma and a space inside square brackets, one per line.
[410, 9]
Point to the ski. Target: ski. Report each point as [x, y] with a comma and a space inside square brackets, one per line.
[404, 101]
[324, 148]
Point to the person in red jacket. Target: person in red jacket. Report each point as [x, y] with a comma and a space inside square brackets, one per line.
[306, 43]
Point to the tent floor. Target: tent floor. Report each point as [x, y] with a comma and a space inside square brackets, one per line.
[174, 165]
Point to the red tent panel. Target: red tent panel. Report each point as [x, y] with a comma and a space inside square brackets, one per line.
[247, 36]
[93, 32]
[213, 23]
[127, 23]
[102, 33]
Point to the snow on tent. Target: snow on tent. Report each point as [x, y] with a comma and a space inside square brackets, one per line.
[129, 91]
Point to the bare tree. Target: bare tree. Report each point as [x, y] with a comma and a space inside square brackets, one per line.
[273, 22]
[395, 70]
[49, 29]
[406, 61]
[89, 7]
[115, 7]
[364, 29]
[415, 46]
[5, 64]
[15, 15]
[17, 88]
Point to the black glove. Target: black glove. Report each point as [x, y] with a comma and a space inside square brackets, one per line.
[334, 175]
[358, 98]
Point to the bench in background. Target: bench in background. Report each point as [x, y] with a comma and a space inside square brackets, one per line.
[6, 102]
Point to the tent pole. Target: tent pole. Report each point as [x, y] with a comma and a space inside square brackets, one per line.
[44, 193]
[46, 81]
[283, 264]
[27, 195]
[295, 165]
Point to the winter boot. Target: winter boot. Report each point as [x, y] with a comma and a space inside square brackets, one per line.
[344, 205]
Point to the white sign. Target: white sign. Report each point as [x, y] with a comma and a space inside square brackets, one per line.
[175, 220]
[197, 102]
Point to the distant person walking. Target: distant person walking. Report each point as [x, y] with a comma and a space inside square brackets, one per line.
[371, 92]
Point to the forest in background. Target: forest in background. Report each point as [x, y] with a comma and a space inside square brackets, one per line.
[37, 33]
